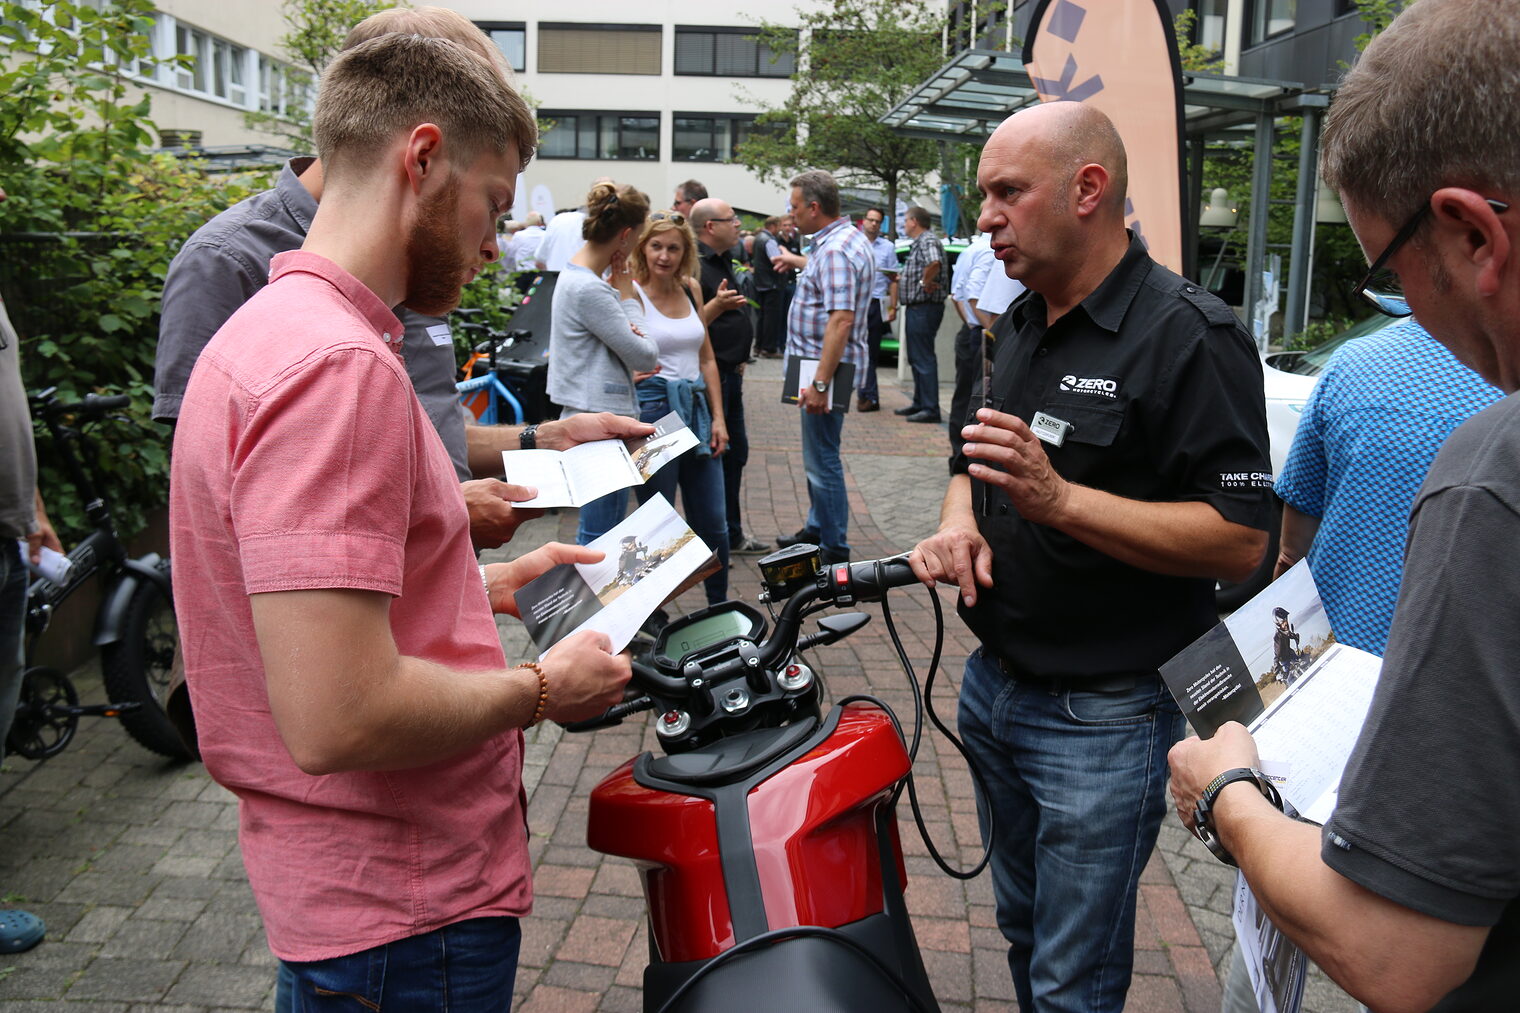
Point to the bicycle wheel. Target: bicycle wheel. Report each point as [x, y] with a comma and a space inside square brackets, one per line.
[137, 668]
[40, 729]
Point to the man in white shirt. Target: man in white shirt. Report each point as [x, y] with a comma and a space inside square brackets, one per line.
[967, 279]
[561, 241]
[523, 254]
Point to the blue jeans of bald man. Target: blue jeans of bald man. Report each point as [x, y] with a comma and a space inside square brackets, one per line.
[1076, 780]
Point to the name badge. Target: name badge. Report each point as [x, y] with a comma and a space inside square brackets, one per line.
[440, 334]
[1049, 428]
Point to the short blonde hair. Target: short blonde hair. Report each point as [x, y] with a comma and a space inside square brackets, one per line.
[660, 222]
[395, 81]
[435, 23]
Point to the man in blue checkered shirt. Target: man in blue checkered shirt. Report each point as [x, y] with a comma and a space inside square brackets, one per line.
[827, 322]
[1377, 417]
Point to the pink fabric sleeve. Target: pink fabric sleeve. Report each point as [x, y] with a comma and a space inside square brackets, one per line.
[323, 471]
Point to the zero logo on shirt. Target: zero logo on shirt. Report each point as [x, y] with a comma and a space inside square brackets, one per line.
[1104, 386]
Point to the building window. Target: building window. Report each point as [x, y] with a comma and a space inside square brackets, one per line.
[511, 37]
[220, 68]
[1270, 17]
[728, 52]
[593, 135]
[1213, 24]
[709, 137]
[598, 49]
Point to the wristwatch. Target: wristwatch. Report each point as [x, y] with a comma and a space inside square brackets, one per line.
[528, 438]
[821, 386]
[1203, 815]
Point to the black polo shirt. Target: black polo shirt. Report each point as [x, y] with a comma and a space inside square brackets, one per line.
[732, 332]
[1162, 389]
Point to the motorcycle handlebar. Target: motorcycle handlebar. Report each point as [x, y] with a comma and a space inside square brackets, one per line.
[844, 583]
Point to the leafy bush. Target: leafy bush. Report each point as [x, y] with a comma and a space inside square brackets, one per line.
[93, 218]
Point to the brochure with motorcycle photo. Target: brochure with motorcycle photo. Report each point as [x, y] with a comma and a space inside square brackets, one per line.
[645, 560]
[590, 471]
[1275, 666]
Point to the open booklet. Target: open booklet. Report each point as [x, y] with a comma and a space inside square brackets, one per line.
[1275, 666]
[645, 560]
[590, 471]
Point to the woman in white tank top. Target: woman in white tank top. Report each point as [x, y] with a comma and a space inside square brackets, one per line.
[664, 268]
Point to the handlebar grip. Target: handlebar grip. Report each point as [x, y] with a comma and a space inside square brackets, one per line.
[872, 579]
[93, 405]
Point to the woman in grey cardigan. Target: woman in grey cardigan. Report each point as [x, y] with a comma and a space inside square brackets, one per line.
[596, 348]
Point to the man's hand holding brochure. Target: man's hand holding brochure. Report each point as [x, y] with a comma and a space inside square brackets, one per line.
[581, 474]
[1273, 669]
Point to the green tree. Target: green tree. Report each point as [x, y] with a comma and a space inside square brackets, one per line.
[316, 30]
[855, 60]
[93, 218]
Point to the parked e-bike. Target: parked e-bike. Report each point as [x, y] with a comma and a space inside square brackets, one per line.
[766, 836]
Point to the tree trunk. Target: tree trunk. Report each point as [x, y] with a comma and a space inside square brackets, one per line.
[891, 208]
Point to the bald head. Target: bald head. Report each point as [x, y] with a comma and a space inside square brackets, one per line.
[1068, 136]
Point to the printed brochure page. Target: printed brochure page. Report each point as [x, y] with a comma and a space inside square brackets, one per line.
[645, 559]
[1275, 666]
[590, 471]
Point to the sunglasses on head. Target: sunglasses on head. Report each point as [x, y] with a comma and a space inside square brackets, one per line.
[670, 216]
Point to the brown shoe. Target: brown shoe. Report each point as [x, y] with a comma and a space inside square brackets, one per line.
[866, 405]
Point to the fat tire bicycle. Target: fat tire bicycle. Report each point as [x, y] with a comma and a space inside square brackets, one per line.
[135, 628]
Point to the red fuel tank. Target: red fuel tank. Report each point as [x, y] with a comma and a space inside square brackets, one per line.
[813, 827]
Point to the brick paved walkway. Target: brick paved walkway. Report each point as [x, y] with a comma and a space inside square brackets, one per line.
[134, 865]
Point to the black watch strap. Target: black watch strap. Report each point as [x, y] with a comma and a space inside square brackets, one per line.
[1203, 815]
[528, 438]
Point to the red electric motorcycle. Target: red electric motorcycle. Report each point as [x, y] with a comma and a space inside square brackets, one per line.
[766, 836]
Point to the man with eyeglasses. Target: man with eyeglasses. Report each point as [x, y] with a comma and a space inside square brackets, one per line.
[725, 312]
[1409, 897]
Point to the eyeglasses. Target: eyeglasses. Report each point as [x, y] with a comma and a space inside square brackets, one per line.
[1382, 287]
[671, 216]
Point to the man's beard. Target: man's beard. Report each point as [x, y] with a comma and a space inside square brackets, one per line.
[435, 269]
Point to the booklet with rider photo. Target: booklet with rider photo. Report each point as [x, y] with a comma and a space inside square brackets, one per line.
[800, 373]
[1275, 666]
[590, 471]
[646, 559]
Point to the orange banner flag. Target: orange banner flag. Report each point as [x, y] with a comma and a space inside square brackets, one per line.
[1121, 57]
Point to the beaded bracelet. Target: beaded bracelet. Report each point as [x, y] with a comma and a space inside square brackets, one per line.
[543, 692]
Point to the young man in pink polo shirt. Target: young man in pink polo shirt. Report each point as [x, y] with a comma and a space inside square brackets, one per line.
[348, 679]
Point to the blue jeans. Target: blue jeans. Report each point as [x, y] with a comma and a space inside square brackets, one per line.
[1076, 781]
[13, 582]
[737, 455]
[600, 516]
[702, 499]
[828, 506]
[922, 325]
[467, 967]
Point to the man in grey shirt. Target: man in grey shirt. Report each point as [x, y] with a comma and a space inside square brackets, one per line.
[227, 260]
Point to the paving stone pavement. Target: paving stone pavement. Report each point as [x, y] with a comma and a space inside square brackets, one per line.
[133, 861]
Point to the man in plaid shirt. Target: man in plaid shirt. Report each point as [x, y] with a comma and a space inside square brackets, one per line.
[827, 322]
[922, 293]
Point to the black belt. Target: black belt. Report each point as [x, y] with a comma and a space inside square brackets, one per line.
[1063, 683]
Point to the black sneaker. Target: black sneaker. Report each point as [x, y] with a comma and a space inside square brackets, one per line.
[802, 535]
